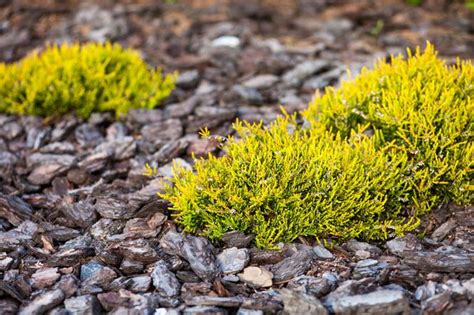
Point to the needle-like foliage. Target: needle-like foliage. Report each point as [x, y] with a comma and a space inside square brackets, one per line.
[81, 79]
[419, 105]
[371, 159]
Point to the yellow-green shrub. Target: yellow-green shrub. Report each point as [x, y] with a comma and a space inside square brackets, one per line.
[332, 178]
[82, 79]
[420, 106]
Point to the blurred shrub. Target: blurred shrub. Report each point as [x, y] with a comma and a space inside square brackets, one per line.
[81, 79]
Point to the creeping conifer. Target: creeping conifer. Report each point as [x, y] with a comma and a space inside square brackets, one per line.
[81, 79]
[371, 159]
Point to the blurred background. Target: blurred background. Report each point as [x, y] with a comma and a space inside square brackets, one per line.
[220, 44]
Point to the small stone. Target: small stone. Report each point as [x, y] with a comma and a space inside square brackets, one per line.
[43, 302]
[231, 278]
[129, 267]
[354, 245]
[204, 310]
[290, 99]
[197, 251]
[139, 250]
[44, 278]
[5, 263]
[317, 287]
[362, 254]
[47, 166]
[425, 291]
[139, 283]
[322, 252]
[244, 311]
[77, 176]
[443, 259]
[226, 41]
[338, 26]
[162, 131]
[257, 277]
[249, 95]
[111, 300]
[399, 245]
[82, 305]
[443, 230]
[166, 311]
[237, 239]
[94, 274]
[81, 213]
[368, 268]
[88, 135]
[8, 306]
[261, 82]
[366, 263]
[87, 270]
[188, 79]
[437, 304]
[298, 74]
[232, 260]
[68, 284]
[378, 302]
[116, 208]
[104, 228]
[165, 281]
[293, 266]
[300, 303]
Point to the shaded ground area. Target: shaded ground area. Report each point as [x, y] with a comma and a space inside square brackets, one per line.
[82, 227]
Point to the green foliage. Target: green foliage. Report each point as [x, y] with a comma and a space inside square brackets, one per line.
[414, 2]
[378, 27]
[469, 4]
[371, 159]
[419, 106]
[82, 79]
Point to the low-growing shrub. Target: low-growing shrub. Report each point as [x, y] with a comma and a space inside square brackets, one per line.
[371, 158]
[81, 79]
[419, 106]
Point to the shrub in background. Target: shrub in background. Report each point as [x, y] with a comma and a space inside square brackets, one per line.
[81, 79]
[372, 158]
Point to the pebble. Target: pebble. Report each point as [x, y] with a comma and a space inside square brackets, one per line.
[368, 268]
[354, 246]
[257, 277]
[302, 71]
[237, 239]
[443, 230]
[43, 302]
[197, 251]
[261, 82]
[188, 79]
[244, 311]
[315, 286]
[139, 283]
[82, 305]
[226, 41]
[232, 260]
[165, 281]
[45, 277]
[88, 270]
[5, 263]
[322, 253]
[299, 303]
[293, 266]
[248, 94]
[378, 302]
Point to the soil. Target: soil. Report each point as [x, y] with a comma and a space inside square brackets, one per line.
[82, 230]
